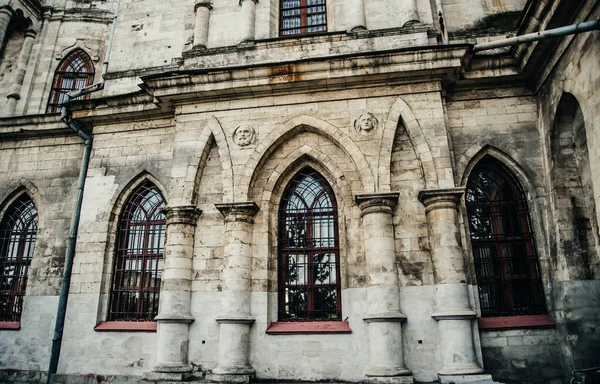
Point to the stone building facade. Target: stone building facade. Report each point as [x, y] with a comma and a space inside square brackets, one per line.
[307, 190]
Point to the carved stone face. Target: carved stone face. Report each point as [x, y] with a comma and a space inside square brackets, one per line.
[243, 135]
[366, 123]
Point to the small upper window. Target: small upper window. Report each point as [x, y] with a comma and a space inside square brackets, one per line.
[138, 264]
[18, 232]
[506, 262]
[309, 257]
[75, 72]
[301, 17]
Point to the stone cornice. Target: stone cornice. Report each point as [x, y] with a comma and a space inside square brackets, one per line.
[434, 199]
[32, 126]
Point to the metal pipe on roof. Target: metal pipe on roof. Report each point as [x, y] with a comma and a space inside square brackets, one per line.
[541, 35]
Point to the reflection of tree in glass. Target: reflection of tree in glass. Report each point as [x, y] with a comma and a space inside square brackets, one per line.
[321, 268]
[480, 224]
[297, 303]
[296, 232]
[292, 270]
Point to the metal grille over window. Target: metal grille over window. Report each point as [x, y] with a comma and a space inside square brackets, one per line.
[139, 257]
[506, 262]
[75, 72]
[309, 272]
[300, 17]
[18, 231]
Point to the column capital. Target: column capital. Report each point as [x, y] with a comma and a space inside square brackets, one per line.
[254, 1]
[30, 33]
[203, 3]
[185, 214]
[434, 199]
[377, 202]
[243, 211]
[6, 9]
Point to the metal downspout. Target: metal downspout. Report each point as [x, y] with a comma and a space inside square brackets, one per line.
[542, 35]
[70, 254]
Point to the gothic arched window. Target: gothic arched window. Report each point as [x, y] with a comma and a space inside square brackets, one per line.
[309, 262]
[18, 232]
[138, 263]
[75, 72]
[301, 17]
[506, 262]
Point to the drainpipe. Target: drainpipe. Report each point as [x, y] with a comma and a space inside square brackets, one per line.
[66, 117]
[70, 254]
[442, 21]
[542, 35]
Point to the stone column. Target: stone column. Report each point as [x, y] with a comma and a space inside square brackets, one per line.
[409, 12]
[5, 16]
[453, 311]
[235, 318]
[174, 315]
[248, 19]
[356, 11]
[202, 9]
[386, 359]
[15, 89]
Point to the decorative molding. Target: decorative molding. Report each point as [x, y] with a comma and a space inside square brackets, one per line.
[434, 199]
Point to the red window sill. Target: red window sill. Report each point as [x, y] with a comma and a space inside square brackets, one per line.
[508, 322]
[308, 327]
[10, 325]
[126, 326]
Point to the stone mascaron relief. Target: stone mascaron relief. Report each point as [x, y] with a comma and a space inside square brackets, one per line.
[366, 124]
[244, 135]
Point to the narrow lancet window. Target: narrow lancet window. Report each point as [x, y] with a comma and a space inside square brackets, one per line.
[74, 73]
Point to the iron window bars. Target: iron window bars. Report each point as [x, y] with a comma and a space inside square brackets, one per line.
[18, 233]
[301, 17]
[506, 263]
[138, 263]
[309, 265]
[75, 72]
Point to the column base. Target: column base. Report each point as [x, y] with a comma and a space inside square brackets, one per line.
[242, 378]
[167, 376]
[400, 379]
[463, 379]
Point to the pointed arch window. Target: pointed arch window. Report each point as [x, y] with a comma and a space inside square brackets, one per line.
[506, 262]
[138, 262]
[76, 71]
[301, 17]
[18, 233]
[309, 262]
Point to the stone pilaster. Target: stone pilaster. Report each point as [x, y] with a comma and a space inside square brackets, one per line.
[356, 15]
[453, 311]
[202, 9]
[386, 358]
[5, 16]
[174, 314]
[248, 19]
[409, 12]
[235, 318]
[15, 89]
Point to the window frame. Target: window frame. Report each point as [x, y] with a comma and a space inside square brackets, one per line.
[504, 313]
[304, 15]
[145, 312]
[308, 252]
[16, 212]
[64, 72]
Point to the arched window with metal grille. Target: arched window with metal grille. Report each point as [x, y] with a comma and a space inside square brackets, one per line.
[506, 262]
[138, 264]
[309, 257]
[75, 72]
[302, 17]
[18, 233]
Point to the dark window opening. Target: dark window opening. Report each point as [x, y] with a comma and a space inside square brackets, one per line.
[301, 17]
[138, 263]
[506, 262]
[18, 233]
[75, 72]
[309, 265]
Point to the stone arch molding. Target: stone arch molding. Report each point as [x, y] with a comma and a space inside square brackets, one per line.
[290, 128]
[401, 112]
[189, 154]
[23, 186]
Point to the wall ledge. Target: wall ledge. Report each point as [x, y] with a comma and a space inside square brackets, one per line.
[514, 322]
[126, 326]
[308, 327]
